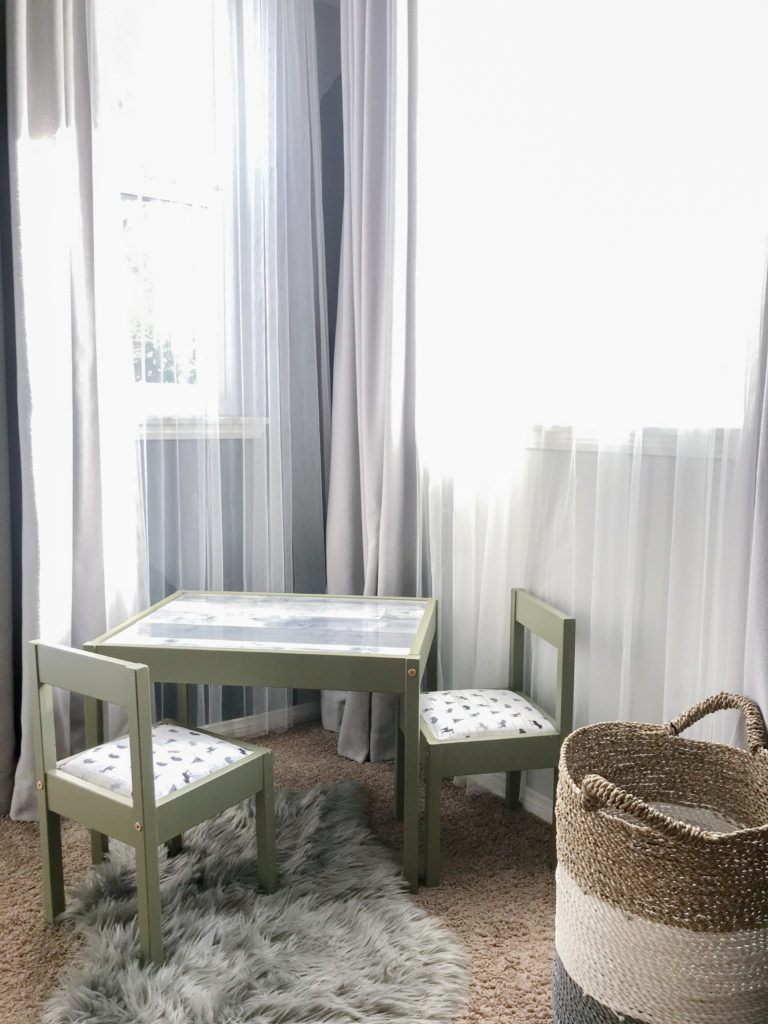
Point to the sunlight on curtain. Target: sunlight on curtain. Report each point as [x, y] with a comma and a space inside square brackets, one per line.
[591, 238]
[72, 586]
[207, 149]
[170, 312]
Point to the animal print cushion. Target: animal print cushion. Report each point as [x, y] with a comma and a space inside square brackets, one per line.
[459, 714]
[180, 755]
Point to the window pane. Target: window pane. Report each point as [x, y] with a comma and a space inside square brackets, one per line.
[165, 269]
[158, 106]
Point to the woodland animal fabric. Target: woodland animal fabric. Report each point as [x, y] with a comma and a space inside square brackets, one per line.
[180, 755]
[458, 714]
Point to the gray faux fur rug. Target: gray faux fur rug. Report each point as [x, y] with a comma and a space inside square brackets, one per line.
[340, 940]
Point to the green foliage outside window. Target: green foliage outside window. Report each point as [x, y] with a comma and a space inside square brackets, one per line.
[159, 246]
[156, 362]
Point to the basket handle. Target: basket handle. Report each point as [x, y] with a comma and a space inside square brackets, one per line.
[597, 792]
[757, 739]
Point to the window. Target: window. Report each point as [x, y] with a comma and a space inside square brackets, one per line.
[162, 93]
[174, 302]
[606, 257]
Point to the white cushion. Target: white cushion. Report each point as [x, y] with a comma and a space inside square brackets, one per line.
[459, 714]
[180, 755]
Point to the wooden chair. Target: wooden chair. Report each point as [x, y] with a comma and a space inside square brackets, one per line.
[120, 789]
[508, 732]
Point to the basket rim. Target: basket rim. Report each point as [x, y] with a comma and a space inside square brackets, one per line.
[661, 731]
[686, 834]
[669, 826]
[646, 727]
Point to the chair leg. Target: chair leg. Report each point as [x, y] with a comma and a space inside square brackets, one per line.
[53, 870]
[265, 827]
[433, 783]
[399, 774]
[174, 846]
[148, 895]
[512, 790]
[94, 735]
[99, 847]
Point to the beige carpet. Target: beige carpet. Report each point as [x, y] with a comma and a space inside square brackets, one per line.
[496, 894]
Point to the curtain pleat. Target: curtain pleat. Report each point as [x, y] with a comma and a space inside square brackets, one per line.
[7, 702]
[372, 534]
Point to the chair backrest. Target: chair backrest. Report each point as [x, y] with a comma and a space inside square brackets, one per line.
[98, 679]
[555, 628]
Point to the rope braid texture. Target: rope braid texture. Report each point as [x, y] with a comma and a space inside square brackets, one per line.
[662, 879]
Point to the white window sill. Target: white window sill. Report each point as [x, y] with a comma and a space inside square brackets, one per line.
[702, 442]
[201, 428]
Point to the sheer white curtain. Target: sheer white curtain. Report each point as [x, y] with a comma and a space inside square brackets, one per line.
[171, 322]
[592, 216]
[216, 164]
[756, 654]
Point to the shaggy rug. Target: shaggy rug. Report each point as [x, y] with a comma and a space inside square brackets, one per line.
[339, 941]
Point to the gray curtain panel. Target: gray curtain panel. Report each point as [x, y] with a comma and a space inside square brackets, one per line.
[7, 732]
[9, 496]
[49, 91]
[371, 538]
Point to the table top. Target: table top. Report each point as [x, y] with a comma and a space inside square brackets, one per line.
[276, 622]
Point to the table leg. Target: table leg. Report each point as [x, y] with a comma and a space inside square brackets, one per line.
[399, 761]
[431, 673]
[182, 704]
[410, 783]
[176, 843]
[432, 796]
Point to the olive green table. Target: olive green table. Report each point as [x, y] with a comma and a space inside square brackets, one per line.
[300, 641]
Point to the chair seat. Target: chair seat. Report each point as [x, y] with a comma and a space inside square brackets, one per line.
[461, 714]
[180, 756]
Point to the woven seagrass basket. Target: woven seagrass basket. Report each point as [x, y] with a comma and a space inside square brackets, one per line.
[662, 878]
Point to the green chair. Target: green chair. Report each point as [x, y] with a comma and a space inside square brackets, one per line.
[144, 788]
[476, 731]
